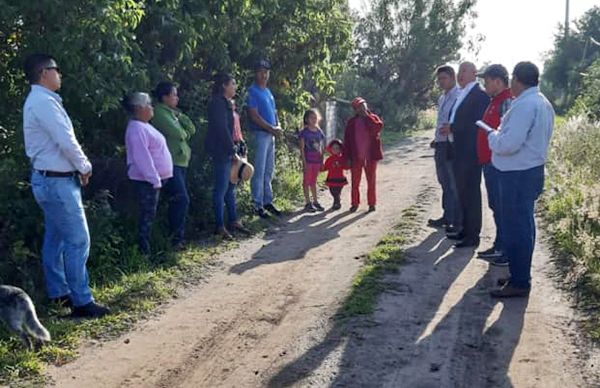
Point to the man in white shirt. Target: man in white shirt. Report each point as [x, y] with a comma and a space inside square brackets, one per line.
[451, 218]
[59, 169]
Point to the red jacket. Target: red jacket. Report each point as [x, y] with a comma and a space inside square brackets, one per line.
[499, 105]
[335, 166]
[374, 125]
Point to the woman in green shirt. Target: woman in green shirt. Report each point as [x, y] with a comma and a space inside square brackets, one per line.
[177, 129]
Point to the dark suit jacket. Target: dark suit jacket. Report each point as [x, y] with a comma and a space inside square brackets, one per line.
[464, 129]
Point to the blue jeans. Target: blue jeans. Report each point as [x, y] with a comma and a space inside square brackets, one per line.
[264, 166]
[492, 185]
[445, 176]
[148, 203]
[223, 193]
[66, 239]
[518, 193]
[179, 200]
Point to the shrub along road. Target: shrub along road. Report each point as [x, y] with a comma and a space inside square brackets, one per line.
[275, 311]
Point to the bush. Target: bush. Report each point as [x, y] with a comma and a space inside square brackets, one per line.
[572, 207]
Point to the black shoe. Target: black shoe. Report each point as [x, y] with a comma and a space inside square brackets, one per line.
[336, 206]
[501, 261]
[452, 230]
[318, 206]
[309, 208]
[491, 253]
[261, 213]
[438, 223]
[62, 301]
[272, 209]
[371, 208]
[510, 291]
[353, 208]
[90, 310]
[467, 243]
[455, 236]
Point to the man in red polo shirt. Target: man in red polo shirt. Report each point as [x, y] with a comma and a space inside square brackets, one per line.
[363, 149]
[496, 86]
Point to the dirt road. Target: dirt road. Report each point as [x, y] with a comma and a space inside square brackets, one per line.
[266, 316]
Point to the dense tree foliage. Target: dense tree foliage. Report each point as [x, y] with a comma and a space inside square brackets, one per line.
[565, 69]
[398, 46]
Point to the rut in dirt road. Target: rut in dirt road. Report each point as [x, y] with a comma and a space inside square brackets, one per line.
[267, 315]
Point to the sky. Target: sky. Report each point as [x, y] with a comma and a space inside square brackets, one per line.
[515, 30]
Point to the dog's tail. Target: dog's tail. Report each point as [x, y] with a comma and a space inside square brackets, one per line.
[33, 325]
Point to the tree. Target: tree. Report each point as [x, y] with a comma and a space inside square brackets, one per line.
[571, 56]
[399, 43]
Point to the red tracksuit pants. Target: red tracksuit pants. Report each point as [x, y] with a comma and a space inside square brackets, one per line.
[370, 167]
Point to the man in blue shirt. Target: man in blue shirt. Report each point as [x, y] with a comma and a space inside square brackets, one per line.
[60, 168]
[519, 152]
[265, 127]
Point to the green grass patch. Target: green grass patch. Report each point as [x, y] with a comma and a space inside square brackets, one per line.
[385, 258]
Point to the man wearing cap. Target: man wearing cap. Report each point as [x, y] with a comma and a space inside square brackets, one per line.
[519, 152]
[469, 107]
[265, 126]
[496, 86]
[59, 169]
[451, 218]
[362, 144]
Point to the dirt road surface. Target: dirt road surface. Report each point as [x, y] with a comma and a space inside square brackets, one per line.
[266, 316]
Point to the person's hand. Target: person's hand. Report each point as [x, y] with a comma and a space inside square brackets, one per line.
[84, 179]
[363, 111]
[276, 131]
[445, 129]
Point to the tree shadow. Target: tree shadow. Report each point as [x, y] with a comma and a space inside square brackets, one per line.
[401, 344]
[297, 237]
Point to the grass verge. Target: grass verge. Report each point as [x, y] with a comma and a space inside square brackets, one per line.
[385, 258]
[571, 211]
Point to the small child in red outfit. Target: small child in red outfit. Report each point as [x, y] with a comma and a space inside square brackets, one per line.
[335, 166]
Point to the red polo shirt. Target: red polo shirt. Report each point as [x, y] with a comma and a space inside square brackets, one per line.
[498, 106]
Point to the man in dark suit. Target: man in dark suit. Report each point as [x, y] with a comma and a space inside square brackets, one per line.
[469, 107]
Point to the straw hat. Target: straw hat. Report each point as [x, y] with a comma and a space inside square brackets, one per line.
[240, 170]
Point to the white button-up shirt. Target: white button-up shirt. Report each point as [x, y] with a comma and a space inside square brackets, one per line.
[50, 141]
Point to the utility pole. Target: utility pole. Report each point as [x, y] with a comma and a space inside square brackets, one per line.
[567, 20]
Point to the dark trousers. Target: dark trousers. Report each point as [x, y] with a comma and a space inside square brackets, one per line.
[148, 203]
[492, 185]
[445, 176]
[518, 192]
[179, 200]
[468, 182]
[336, 193]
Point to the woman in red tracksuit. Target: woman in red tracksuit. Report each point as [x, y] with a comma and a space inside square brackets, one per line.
[363, 150]
[335, 165]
